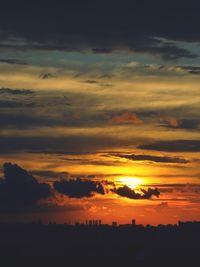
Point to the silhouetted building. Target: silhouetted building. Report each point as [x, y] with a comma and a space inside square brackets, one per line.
[43, 245]
[133, 222]
[114, 224]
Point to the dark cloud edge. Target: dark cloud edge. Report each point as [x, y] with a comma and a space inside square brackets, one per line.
[173, 146]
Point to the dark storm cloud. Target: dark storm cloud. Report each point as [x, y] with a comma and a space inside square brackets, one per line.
[142, 157]
[126, 191]
[101, 26]
[10, 91]
[79, 188]
[19, 190]
[173, 146]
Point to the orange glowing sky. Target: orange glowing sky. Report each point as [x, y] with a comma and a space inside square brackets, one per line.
[116, 112]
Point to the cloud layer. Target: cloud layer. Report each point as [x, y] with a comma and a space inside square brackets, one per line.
[91, 25]
[143, 157]
[174, 146]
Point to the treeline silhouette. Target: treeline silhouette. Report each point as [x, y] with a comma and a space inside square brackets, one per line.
[97, 244]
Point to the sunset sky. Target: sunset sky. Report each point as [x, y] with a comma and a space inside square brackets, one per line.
[100, 104]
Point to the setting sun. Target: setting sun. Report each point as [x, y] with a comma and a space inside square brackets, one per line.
[132, 182]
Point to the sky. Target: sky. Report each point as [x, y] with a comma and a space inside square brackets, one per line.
[99, 111]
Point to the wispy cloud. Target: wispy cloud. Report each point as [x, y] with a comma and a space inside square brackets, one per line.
[152, 158]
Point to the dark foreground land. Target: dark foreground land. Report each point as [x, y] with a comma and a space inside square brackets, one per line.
[63, 245]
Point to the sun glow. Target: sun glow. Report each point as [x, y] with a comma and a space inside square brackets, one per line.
[131, 182]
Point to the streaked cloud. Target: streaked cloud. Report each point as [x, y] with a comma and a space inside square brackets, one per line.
[174, 146]
[10, 91]
[152, 158]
